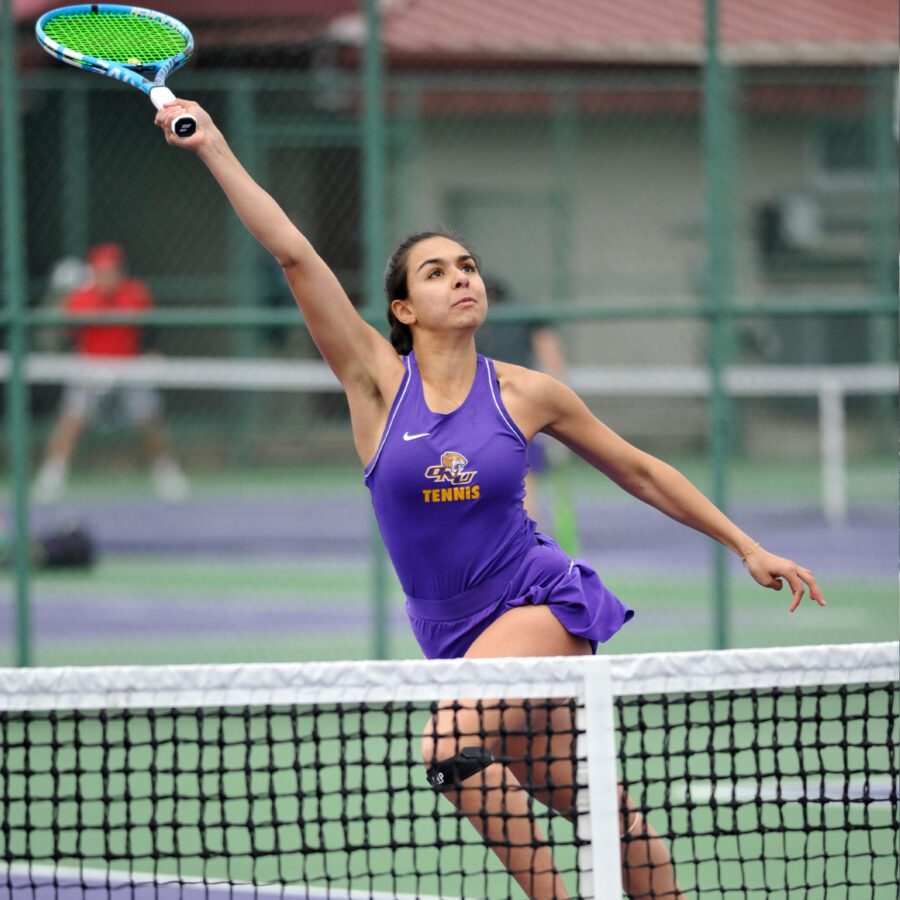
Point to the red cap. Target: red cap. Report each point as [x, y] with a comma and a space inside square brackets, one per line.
[106, 256]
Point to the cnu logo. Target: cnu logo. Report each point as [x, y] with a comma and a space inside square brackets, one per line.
[452, 469]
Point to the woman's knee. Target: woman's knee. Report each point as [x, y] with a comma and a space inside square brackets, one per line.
[488, 725]
[436, 747]
[453, 751]
[445, 734]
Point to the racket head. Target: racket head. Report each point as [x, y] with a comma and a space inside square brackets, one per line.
[125, 42]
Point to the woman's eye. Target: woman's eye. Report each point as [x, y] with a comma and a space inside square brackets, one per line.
[434, 272]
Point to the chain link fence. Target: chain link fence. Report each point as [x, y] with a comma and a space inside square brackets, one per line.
[717, 259]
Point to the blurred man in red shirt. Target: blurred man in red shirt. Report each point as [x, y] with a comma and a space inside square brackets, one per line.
[109, 290]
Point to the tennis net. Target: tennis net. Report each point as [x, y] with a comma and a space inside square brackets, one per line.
[770, 773]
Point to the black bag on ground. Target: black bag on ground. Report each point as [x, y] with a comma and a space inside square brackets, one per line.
[70, 546]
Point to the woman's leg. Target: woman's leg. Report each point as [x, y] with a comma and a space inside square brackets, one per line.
[548, 775]
[647, 870]
[493, 799]
[495, 803]
[535, 631]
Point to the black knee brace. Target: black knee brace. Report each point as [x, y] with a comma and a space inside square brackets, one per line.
[447, 774]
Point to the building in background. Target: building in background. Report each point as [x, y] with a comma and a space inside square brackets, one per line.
[565, 140]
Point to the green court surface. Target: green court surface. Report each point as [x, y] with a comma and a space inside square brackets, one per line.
[672, 613]
[870, 480]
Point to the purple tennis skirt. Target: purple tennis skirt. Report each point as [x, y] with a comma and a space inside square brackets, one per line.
[446, 628]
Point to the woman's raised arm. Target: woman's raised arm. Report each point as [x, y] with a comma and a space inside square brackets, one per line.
[356, 352]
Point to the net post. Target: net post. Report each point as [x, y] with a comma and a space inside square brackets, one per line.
[833, 449]
[599, 863]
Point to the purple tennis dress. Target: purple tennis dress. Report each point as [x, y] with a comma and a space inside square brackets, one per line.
[448, 494]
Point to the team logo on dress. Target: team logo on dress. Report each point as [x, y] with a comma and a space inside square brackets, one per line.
[452, 469]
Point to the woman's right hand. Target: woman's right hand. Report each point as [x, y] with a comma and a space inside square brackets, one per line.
[205, 127]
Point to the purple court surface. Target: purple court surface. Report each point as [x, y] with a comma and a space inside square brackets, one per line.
[622, 535]
[336, 536]
[67, 885]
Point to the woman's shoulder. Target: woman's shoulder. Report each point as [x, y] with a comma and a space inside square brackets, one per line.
[522, 383]
[521, 378]
[529, 396]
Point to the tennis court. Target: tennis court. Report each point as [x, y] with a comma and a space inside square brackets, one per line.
[697, 207]
[278, 566]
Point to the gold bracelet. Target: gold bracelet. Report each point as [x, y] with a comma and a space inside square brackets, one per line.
[748, 551]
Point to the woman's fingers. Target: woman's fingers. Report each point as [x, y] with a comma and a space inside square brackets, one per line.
[799, 580]
[771, 571]
[814, 592]
[798, 589]
[171, 111]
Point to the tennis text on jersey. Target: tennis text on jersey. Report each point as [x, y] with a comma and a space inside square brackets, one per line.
[452, 469]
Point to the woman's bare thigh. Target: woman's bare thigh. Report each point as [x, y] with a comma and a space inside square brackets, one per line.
[527, 631]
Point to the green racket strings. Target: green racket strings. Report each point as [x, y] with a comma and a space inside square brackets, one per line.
[131, 40]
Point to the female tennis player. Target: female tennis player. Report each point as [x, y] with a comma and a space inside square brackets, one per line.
[442, 433]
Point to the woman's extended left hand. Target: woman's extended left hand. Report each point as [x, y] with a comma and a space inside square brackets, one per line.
[769, 570]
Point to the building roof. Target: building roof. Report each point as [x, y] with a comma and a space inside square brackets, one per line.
[662, 32]
[772, 32]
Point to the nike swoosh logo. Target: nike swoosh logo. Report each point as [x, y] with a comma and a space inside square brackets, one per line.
[411, 437]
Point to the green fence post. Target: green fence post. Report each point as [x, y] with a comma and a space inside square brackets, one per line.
[13, 217]
[373, 152]
[75, 182]
[243, 261]
[566, 130]
[883, 94]
[374, 220]
[406, 148]
[717, 287]
[245, 253]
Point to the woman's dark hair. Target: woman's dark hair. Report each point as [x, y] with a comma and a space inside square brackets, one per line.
[396, 286]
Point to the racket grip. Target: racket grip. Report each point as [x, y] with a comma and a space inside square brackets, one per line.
[185, 125]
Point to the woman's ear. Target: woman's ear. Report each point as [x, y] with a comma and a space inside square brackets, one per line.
[402, 312]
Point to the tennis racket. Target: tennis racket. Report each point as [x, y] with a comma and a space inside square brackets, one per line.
[138, 46]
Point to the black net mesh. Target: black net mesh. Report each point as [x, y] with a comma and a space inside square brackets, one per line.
[789, 792]
[318, 799]
[737, 793]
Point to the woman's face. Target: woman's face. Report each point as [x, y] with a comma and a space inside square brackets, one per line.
[445, 287]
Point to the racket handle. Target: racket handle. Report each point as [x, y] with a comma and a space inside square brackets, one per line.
[185, 125]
